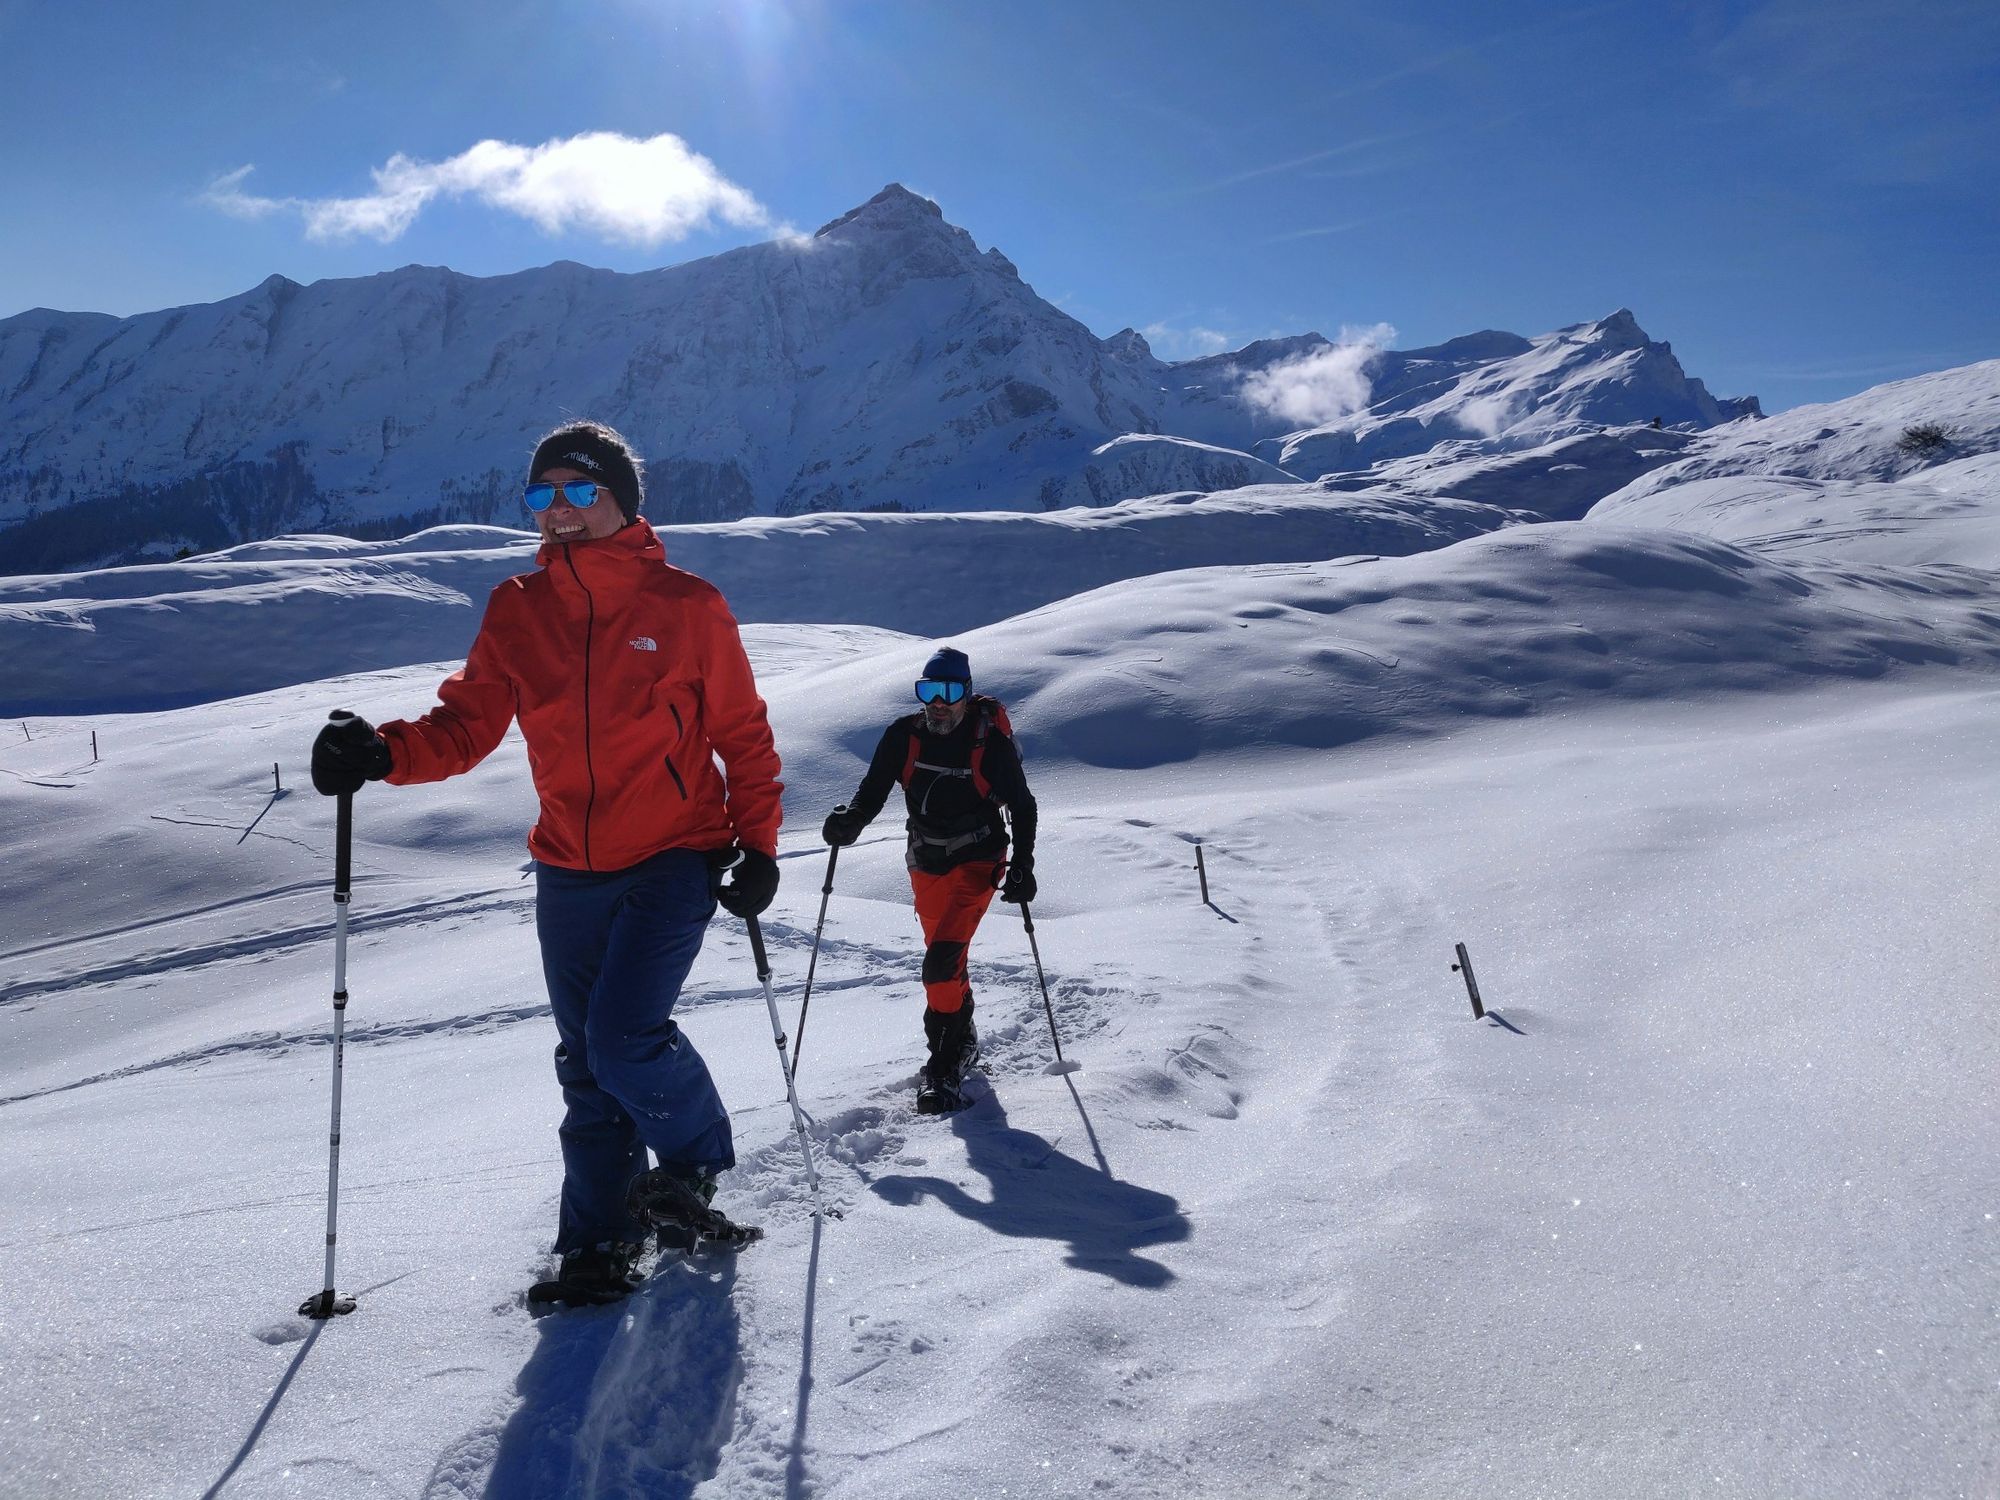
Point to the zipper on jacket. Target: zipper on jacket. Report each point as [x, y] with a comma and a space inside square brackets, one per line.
[589, 635]
[680, 731]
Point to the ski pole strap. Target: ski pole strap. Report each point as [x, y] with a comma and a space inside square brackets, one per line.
[757, 948]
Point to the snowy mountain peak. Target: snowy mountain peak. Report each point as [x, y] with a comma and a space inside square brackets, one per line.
[1129, 344]
[1620, 328]
[895, 207]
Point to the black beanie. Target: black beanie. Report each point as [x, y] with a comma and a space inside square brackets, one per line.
[594, 449]
[949, 664]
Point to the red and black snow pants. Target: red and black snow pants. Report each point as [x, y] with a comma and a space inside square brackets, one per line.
[949, 907]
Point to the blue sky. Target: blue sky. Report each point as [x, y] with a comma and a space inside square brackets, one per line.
[1802, 195]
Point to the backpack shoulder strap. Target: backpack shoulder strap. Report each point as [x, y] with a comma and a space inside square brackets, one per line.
[992, 715]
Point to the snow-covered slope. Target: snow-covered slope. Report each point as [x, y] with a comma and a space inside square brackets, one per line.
[1693, 1211]
[1558, 480]
[1180, 667]
[1859, 438]
[1944, 515]
[1844, 480]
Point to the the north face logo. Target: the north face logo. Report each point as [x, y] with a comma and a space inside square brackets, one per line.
[644, 643]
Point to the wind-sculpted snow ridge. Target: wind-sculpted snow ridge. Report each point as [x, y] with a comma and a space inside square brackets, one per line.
[302, 608]
[1149, 464]
[1950, 514]
[1322, 654]
[1555, 481]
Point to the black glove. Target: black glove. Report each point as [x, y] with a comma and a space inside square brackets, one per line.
[348, 753]
[842, 827]
[1020, 884]
[747, 886]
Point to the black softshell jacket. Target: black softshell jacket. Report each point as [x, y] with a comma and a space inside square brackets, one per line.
[944, 806]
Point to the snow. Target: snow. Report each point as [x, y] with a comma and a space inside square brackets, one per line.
[1701, 1207]
[420, 599]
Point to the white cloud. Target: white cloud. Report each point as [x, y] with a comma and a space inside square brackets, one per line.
[1490, 414]
[226, 193]
[641, 192]
[1321, 387]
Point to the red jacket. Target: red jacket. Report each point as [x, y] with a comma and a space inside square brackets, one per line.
[629, 678]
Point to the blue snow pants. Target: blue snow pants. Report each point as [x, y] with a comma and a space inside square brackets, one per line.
[616, 948]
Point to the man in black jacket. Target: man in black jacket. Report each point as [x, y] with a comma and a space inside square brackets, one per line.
[958, 767]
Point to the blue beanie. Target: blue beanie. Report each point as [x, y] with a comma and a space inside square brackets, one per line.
[949, 664]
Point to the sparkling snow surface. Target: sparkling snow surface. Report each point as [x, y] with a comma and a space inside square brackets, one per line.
[1707, 1205]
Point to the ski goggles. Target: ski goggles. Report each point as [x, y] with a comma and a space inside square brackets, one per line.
[939, 690]
[579, 492]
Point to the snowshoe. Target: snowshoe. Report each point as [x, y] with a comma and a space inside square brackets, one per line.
[938, 1095]
[594, 1277]
[677, 1210]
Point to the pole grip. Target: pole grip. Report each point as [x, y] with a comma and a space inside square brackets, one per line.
[343, 844]
[832, 859]
[343, 823]
[757, 948]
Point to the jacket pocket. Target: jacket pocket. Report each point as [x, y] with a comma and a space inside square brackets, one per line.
[674, 771]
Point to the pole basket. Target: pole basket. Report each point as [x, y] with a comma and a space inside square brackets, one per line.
[324, 1305]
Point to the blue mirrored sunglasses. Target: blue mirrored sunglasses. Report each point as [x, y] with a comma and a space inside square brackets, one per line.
[579, 492]
[938, 690]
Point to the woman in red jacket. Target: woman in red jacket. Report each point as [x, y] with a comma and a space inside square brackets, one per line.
[629, 681]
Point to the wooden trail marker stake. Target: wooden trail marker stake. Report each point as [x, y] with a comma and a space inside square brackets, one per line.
[1464, 966]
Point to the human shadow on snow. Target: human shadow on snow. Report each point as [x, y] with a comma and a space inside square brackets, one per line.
[1039, 1192]
[633, 1400]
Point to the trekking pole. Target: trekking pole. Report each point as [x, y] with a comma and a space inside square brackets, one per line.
[1058, 1066]
[327, 1304]
[820, 1210]
[825, 894]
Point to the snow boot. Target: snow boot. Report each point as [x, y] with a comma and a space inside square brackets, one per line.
[677, 1209]
[953, 1039]
[592, 1277]
[954, 1047]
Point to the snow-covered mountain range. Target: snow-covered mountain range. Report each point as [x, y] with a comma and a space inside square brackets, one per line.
[884, 363]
